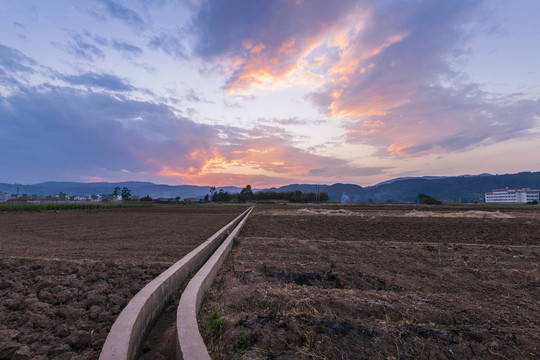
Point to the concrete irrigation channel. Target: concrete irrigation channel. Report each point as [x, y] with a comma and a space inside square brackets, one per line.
[134, 323]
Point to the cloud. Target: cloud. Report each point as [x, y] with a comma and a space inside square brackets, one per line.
[269, 150]
[388, 68]
[65, 132]
[170, 44]
[68, 133]
[231, 104]
[441, 120]
[194, 95]
[81, 48]
[263, 155]
[401, 48]
[230, 179]
[13, 61]
[102, 81]
[125, 14]
[292, 121]
[127, 48]
[397, 82]
[130, 50]
[15, 69]
[19, 25]
[255, 42]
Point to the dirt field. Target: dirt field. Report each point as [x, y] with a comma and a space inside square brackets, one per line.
[380, 283]
[65, 276]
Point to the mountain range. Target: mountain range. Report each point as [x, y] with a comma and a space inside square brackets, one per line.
[464, 188]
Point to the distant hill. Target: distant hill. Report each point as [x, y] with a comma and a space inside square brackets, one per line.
[407, 178]
[136, 187]
[465, 188]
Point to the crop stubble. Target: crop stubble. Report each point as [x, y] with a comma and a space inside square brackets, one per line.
[317, 285]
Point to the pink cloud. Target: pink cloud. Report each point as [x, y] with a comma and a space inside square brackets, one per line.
[262, 41]
[266, 154]
[399, 89]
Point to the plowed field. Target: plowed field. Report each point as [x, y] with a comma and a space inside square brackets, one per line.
[66, 275]
[380, 283]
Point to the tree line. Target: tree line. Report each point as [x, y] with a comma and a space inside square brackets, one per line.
[247, 194]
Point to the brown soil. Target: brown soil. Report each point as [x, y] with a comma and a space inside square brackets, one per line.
[509, 227]
[144, 234]
[323, 286]
[65, 276]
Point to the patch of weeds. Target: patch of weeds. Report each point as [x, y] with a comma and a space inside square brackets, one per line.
[248, 299]
[445, 242]
[215, 324]
[242, 342]
[243, 305]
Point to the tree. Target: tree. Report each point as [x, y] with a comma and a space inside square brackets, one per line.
[296, 196]
[177, 198]
[426, 199]
[146, 198]
[212, 196]
[246, 194]
[116, 191]
[126, 194]
[221, 195]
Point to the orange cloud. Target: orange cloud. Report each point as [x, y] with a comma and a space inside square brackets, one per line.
[271, 64]
[92, 178]
[396, 150]
[259, 153]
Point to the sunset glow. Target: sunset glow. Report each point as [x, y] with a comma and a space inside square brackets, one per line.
[267, 92]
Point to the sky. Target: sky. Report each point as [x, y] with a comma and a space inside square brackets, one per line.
[267, 92]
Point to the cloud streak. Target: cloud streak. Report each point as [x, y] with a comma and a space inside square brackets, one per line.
[13, 61]
[82, 48]
[123, 13]
[170, 44]
[103, 81]
[127, 48]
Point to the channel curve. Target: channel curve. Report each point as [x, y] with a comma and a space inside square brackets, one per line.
[190, 344]
[136, 319]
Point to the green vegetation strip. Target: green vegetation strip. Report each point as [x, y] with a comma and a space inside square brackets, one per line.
[42, 207]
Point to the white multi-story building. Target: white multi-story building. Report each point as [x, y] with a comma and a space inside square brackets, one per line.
[512, 195]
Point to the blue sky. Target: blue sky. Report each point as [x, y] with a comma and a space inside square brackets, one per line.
[267, 92]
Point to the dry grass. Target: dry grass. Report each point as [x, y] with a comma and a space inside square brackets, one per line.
[461, 214]
[478, 214]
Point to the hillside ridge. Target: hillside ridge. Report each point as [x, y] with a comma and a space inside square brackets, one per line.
[463, 188]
